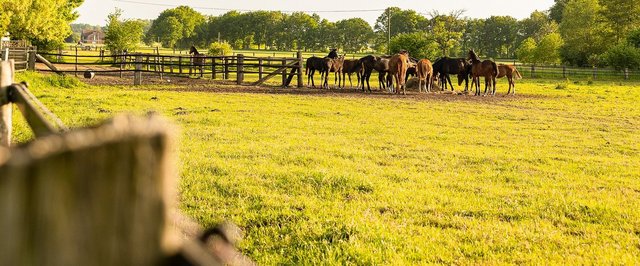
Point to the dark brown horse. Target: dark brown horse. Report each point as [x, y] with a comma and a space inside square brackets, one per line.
[445, 66]
[349, 67]
[314, 64]
[487, 69]
[197, 60]
[511, 73]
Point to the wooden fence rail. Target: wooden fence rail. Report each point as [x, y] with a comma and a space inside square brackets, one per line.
[161, 65]
[94, 196]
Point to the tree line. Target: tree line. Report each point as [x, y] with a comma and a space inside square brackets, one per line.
[574, 32]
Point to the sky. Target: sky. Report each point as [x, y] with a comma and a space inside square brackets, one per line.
[95, 11]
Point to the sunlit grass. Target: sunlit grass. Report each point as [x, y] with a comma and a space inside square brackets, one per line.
[550, 177]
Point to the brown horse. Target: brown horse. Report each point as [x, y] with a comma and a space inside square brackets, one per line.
[487, 69]
[398, 65]
[197, 60]
[349, 67]
[336, 67]
[425, 74]
[511, 73]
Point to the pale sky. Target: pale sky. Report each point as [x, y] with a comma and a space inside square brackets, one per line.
[95, 11]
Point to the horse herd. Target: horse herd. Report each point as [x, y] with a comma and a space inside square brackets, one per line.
[395, 70]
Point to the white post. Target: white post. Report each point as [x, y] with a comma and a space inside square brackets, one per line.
[6, 79]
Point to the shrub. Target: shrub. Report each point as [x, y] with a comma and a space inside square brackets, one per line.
[220, 48]
[623, 56]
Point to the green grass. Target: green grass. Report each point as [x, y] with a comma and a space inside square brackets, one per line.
[549, 177]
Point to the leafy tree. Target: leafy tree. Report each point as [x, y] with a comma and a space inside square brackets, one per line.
[472, 36]
[526, 53]
[417, 44]
[537, 25]
[500, 34]
[45, 23]
[622, 16]
[175, 27]
[220, 48]
[548, 49]
[557, 10]
[397, 21]
[355, 34]
[583, 32]
[121, 35]
[446, 31]
[634, 38]
[623, 56]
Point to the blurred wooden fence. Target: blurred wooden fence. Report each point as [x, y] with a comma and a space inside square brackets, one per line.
[93, 196]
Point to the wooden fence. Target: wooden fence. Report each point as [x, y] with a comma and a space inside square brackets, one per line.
[214, 67]
[23, 57]
[95, 196]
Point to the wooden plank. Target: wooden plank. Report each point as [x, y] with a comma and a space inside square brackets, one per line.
[90, 197]
[272, 74]
[6, 110]
[48, 64]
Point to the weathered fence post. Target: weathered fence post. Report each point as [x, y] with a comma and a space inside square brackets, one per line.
[180, 63]
[626, 73]
[137, 75]
[76, 72]
[595, 72]
[122, 59]
[533, 71]
[564, 72]
[300, 79]
[32, 58]
[240, 69]
[59, 57]
[213, 68]
[5, 54]
[260, 68]
[226, 68]
[171, 65]
[284, 72]
[6, 79]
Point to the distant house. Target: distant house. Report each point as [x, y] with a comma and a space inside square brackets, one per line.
[92, 36]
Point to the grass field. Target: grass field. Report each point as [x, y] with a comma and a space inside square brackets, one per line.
[546, 177]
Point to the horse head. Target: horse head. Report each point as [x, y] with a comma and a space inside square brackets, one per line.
[333, 53]
[193, 50]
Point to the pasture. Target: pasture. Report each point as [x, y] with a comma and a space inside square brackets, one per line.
[549, 176]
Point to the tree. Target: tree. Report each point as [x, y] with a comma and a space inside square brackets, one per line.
[622, 16]
[175, 27]
[446, 30]
[634, 38]
[121, 35]
[417, 44]
[557, 10]
[355, 34]
[500, 34]
[45, 23]
[537, 25]
[220, 48]
[623, 56]
[548, 49]
[583, 32]
[400, 21]
[526, 53]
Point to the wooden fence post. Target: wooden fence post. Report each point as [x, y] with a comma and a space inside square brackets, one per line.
[137, 75]
[213, 68]
[533, 71]
[124, 57]
[564, 72]
[595, 72]
[32, 58]
[5, 54]
[6, 110]
[226, 68]
[76, 72]
[240, 69]
[260, 68]
[284, 72]
[626, 73]
[300, 79]
[180, 63]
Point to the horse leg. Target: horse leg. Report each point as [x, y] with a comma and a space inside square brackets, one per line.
[450, 84]
[493, 78]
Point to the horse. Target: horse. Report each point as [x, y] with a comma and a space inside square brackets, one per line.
[511, 73]
[336, 67]
[368, 65]
[445, 66]
[333, 53]
[349, 67]
[398, 65]
[425, 75]
[197, 60]
[315, 63]
[487, 69]
[412, 71]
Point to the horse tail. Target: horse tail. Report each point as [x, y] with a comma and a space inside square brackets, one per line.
[495, 68]
[306, 69]
[518, 76]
